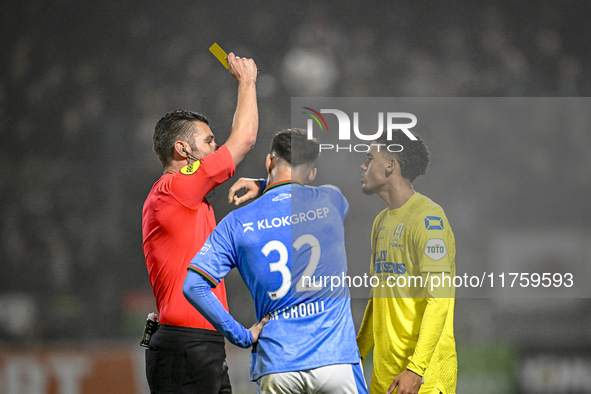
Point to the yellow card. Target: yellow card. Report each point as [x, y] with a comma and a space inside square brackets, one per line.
[220, 54]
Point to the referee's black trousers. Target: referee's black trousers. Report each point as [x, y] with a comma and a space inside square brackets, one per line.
[183, 360]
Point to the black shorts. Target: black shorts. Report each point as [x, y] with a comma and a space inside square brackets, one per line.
[187, 361]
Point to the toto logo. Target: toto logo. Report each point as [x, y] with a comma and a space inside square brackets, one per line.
[392, 123]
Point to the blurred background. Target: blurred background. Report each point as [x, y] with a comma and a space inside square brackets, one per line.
[82, 85]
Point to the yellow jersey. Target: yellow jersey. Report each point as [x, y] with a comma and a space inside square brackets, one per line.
[409, 317]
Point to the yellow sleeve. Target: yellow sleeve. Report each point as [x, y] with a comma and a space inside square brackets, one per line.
[434, 242]
[365, 340]
[435, 246]
[429, 334]
[365, 335]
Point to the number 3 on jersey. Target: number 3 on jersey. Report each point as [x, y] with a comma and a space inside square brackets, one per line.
[281, 265]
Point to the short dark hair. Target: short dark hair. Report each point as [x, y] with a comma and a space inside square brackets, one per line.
[293, 146]
[414, 157]
[174, 126]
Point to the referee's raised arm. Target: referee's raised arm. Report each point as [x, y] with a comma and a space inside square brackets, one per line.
[246, 118]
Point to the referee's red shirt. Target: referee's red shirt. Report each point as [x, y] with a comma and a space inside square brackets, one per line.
[176, 221]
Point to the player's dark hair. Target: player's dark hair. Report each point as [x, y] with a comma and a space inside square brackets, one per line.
[414, 157]
[293, 146]
[174, 126]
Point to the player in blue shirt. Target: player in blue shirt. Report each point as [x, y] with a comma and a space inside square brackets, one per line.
[287, 245]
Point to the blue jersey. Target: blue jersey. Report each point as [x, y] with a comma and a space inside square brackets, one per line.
[288, 246]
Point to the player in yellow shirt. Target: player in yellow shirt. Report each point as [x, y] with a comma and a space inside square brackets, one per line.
[409, 317]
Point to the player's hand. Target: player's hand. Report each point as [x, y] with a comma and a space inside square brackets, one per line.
[251, 187]
[408, 382]
[256, 329]
[242, 69]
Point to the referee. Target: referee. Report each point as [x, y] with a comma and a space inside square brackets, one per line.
[187, 354]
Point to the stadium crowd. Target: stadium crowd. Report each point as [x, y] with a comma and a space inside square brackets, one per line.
[82, 85]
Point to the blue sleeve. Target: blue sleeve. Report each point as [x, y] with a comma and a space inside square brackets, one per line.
[338, 199]
[198, 292]
[218, 255]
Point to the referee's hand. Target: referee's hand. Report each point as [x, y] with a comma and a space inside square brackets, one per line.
[242, 69]
[256, 329]
[251, 187]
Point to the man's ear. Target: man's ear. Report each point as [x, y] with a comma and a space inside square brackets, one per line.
[391, 166]
[180, 149]
[312, 175]
[269, 163]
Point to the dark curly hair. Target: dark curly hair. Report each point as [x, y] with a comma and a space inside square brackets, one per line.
[174, 126]
[414, 157]
[293, 146]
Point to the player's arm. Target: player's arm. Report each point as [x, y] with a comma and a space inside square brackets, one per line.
[432, 262]
[435, 247]
[197, 291]
[429, 334]
[338, 199]
[365, 339]
[409, 381]
[245, 125]
[207, 269]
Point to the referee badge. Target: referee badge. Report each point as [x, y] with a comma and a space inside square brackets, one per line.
[191, 168]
